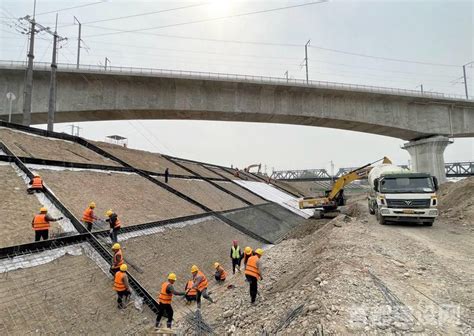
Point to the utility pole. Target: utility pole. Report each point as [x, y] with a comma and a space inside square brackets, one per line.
[421, 87]
[465, 78]
[52, 83]
[78, 42]
[29, 72]
[286, 75]
[10, 97]
[306, 60]
[106, 61]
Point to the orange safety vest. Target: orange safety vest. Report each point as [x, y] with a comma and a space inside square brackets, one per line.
[192, 291]
[203, 284]
[88, 215]
[251, 268]
[40, 222]
[222, 272]
[119, 285]
[165, 297]
[118, 259]
[37, 183]
[117, 224]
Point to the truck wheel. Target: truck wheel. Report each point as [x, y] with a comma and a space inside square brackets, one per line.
[381, 219]
[430, 223]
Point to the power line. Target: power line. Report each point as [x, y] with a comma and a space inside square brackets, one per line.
[69, 8]
[150, 13]
[119, 31]
[382, 58]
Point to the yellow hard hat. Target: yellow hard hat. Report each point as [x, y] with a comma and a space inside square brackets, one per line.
[123, 267]
[43, 209]
[194, 268]
[216, 264]
[248, 250]
[116, 246]
[92, 205]
[109, 213]
[259, 251]
[172, 276]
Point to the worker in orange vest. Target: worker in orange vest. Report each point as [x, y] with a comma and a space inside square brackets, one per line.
[165, 298]
[41, 224]
[115, 225]
[253, 273]
[118, 258]
[220, 274]
[36, 184]
[200, 284]
[122, 287]
[247, 254]
[88, 216]
[191, 292]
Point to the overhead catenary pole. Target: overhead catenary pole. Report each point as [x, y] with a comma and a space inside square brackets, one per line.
[29, 73]
[78, 42]
[465, 78]
[52, 83]
[106, 61]
[306, 60]
[286, 75]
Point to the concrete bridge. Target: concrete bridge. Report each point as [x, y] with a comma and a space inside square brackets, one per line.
[90, 93]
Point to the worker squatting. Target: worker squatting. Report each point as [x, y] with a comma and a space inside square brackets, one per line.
[41, 222]
[196, 287]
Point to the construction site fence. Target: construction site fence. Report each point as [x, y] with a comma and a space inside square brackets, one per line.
[153, 72]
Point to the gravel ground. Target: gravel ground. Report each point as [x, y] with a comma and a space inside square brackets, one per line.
[135, 199]
[142, 159]
[354, 276]
[18, 209]
[24, 144]
[70, 295]
[205, 193]
[242, 192]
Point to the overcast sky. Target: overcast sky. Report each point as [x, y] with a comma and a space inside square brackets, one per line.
[418, 32]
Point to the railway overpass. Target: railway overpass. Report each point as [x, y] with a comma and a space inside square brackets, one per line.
[91, 93]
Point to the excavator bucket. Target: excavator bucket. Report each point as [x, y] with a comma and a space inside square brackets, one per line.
[386, 160]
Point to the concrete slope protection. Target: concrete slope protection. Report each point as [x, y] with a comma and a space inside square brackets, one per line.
[274, 195]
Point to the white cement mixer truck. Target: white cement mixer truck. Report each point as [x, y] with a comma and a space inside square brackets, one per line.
[399, 195]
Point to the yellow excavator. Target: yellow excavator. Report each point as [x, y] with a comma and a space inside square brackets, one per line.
[335, 197]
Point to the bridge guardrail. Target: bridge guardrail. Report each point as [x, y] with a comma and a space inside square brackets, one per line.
[233, 77]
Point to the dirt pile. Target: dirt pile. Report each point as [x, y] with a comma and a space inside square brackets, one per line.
[354, 276]
[456, 201]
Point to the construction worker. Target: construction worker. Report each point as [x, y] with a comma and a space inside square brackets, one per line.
[253, 273]
[41, 224]
[122, 287]
[200, 284]
[247, 254]
[164, 299]
[115, 225]
[220, 274]
[167, 175]
[191, 292]
[88, 217]
[235, 256]
[36, 184]
[118, 258]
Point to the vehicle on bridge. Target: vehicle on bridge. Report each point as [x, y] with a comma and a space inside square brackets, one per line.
[400, 195]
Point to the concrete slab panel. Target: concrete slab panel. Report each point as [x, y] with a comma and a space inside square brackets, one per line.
[270, 221]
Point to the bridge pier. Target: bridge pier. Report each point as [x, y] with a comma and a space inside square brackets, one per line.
[427, 155]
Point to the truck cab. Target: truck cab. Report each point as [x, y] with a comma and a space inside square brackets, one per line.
[404, 197]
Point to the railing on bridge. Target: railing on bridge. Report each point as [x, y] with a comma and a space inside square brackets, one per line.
[452, 169]
[44, 66]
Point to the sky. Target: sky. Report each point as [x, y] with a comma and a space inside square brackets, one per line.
[402, 44]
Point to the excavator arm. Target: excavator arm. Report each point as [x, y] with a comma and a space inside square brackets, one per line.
[338, 186]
